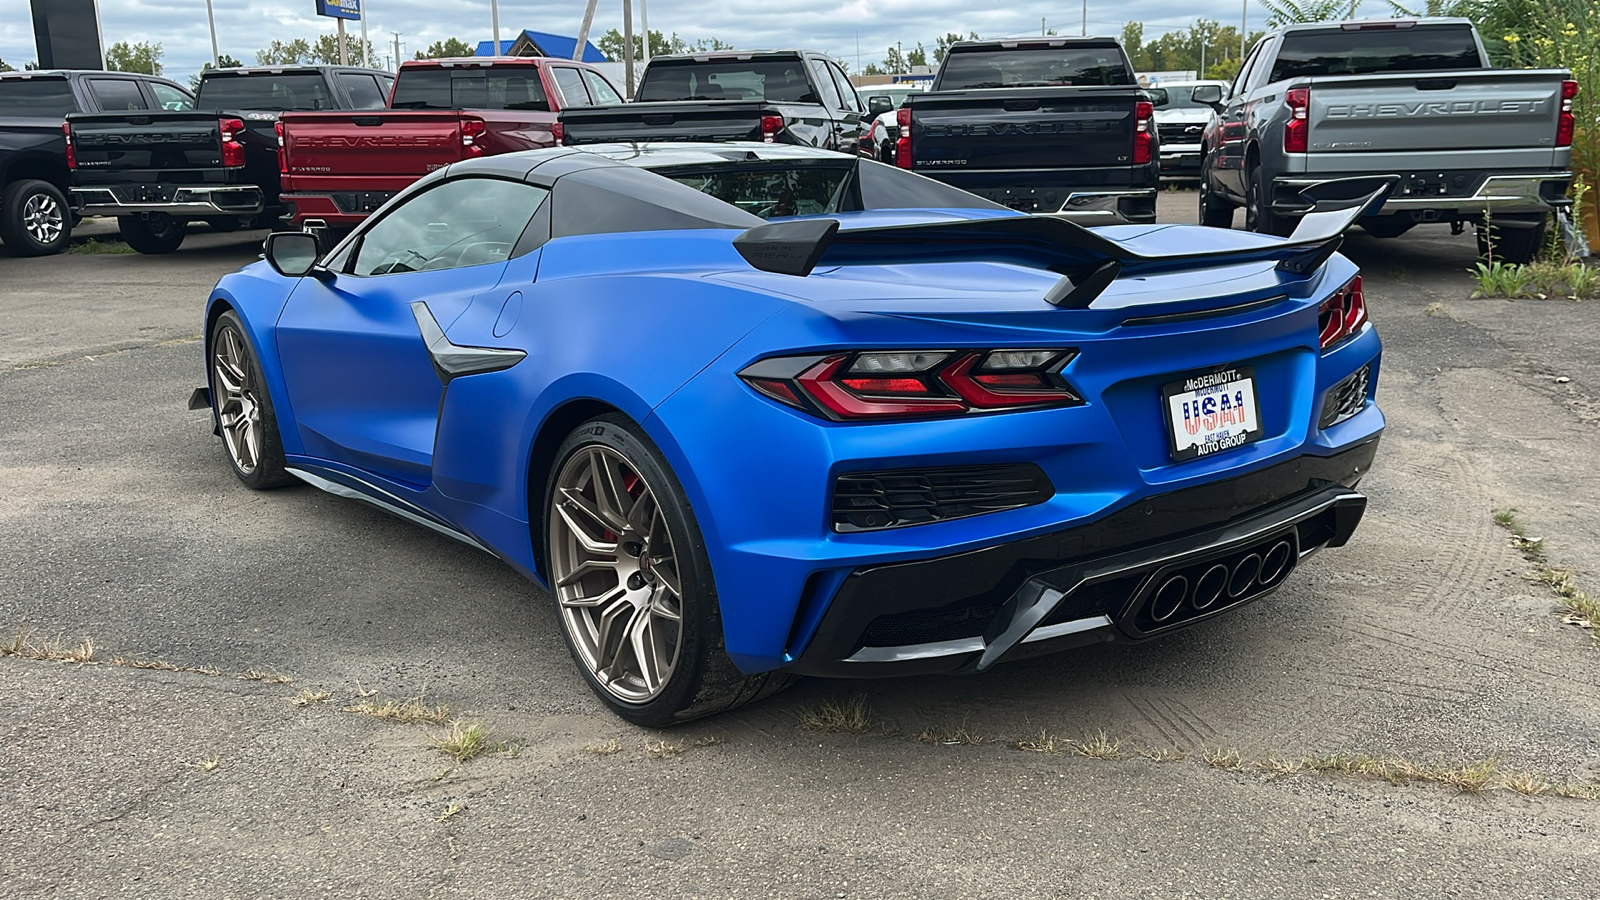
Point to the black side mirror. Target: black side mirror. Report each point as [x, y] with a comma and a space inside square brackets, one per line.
[292, 254]
[1158, 97]
[1209, 94]
[879, 105]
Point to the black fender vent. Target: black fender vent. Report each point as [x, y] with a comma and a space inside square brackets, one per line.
[871, 501]
[1346, 398]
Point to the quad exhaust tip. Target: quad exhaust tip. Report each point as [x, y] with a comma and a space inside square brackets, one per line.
[1186, 595]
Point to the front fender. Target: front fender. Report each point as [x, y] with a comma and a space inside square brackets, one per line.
[257, 295]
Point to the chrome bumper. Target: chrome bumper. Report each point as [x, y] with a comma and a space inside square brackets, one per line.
[1105, 207]
[1498, 193]
[186, 202]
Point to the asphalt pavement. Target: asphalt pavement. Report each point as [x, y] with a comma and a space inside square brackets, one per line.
[1425, 642]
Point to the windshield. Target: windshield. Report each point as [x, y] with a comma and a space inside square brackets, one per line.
[773, 80]
[497, 87]
[773, 193]
[1045, 66]
[283, 92]
[1181, 97]
[42, 97]
[1306, 54]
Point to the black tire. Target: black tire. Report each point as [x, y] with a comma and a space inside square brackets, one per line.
[1215, 211]
[34, 218]
[153, 233]
[1387, 226]
[268, 470]
[1258, 214]
[703, 680]
[1502, 241]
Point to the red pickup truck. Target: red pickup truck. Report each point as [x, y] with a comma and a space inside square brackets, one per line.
[338, 167]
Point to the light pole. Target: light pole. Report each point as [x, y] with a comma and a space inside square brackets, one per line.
[1244, 28]
[1085, 31]
[627, 44]
[396, 49]
[644, 24]
[494, 23]
[211, 20]
[583, 32]
[366, 54]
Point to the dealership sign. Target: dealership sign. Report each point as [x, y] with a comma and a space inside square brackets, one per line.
[339, 9]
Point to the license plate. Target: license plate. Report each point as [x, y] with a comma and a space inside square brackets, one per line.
[1212, 412]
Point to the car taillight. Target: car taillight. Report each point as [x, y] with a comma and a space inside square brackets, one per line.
[283, 150]
[1297, 132]
[1341, 315]
[915, 383]
[770, 126]
[558, 133]
[902, 144]
[1566, 123]
[72, 155]
[471, 130]
[232, 150]
[1144, 127]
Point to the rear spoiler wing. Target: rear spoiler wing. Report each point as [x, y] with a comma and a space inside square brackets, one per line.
[1087, 261]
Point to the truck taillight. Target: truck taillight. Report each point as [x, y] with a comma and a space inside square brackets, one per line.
[232, 150]
[72, 155]
[1297, 132]
[770, 126]
[471, 130]
[1341, 315]
[902, 144]
[283, 150]
[1144, 126]
[1566, 123]
[558, 133]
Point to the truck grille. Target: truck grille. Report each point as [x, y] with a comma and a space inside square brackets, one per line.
[869, 501]
[1179, 133]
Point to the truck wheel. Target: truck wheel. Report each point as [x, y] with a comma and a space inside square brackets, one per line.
[1215, 212]
[34, 218]
[1509, 243]
[153, 232]
[1258, 214]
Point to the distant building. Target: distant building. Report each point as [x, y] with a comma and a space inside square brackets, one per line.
[539, 43]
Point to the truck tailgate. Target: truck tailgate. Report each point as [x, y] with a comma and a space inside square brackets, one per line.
[370, 150]
[1022, 128]
[152, 146]
[1480, 109]
[694, 120]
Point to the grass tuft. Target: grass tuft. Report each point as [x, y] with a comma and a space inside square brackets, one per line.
[604, 748]
[833, 716]
[952, 735]
[1222, 758]
[466, 741]
[1044, 743]
[1163, 754]
[450, 811]
[269, 677]
[1098, 746]
[24, 645]
[665, 749]
[412, 711]
[1525, 783]
[1578, 607]
[93, 246]
[308, 697]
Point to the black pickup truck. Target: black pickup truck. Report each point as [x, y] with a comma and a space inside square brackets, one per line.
[159, 171]
[772, 96]
[1048, 125]
[35, 219]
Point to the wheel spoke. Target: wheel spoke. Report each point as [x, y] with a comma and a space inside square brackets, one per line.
[584, 568]
[664, 605]
[574, 502]
[613, 502]
[641, 635]
[611, 636]
[595, 602]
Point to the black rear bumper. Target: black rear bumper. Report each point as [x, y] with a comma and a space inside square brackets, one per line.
[1097, 582]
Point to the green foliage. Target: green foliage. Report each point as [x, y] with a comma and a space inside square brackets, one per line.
[449, 48]
[917, 57]
[873, 69]
[227, 62]
[1498, 279]
[894, 62]
[324, 50]
[143, 57]
[1289, 12]
[610, 44]
[1539, 280]
[6, 67]
[941, 45]
[285, 53]
[1176, 51]
[1467, 9]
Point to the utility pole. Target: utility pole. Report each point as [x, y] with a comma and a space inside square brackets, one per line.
[211, 20]
[396, 48]
[644, 23]
[627, 44]
[494, 23]
[1041, 26]
[1085, 31]
[583, 32]
[1244, 28]
[366, 48]
[899, 57]
[342, 60]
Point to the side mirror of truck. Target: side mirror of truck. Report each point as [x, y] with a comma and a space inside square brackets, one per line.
[879, 105]
[1158, 97]
[1209, 94]
[292, 254]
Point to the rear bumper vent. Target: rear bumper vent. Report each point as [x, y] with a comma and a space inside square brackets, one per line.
[871, 501]
[1346, 398]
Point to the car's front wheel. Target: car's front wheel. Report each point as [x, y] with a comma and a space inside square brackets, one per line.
[1215, 212]
[632, 581]
[242, 406]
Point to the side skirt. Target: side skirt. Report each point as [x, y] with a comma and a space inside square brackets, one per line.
[356, 489]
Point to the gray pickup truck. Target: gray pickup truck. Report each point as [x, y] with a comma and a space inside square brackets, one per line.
[1415, 98]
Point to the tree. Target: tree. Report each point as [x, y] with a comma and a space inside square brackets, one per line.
[941, 45]
[285, 53]
[143, 57]
[1290, 12]
[324, 50]
[610, 44]
[873, 69]
[894, 62]
[447, 49]
[6, 67]
[227, 62]
[1468, 9]
[917, 57]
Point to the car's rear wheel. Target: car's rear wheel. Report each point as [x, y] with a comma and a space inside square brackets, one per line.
[242, 406]
[34, 218]
[1215, 212]
[152, 232]
[632, 581]
[1258, 214]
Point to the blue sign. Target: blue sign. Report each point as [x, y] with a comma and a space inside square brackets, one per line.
[339, 9]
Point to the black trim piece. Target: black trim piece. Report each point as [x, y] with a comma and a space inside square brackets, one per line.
[451, 360]
[1236, 309]
[1070, 294]
[200, 399]
[899, 498]
[787, 248]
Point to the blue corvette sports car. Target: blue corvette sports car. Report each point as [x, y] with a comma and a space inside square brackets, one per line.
[756, 411]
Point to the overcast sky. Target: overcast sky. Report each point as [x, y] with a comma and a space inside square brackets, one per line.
[831, 26]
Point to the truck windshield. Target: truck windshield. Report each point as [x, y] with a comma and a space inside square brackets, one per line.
[43, 97]
[282, 92]
[478, 87]
[1033, 67]
[1424, 48]
[781, 80]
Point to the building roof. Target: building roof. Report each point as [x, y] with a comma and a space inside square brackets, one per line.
[542, 43]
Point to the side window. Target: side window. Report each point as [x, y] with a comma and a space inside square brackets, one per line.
[600, 89]
[1240, 80]
[824, 82]
[385, 87]
[570, 83]
[465, 222]
[363, 90]
[846, 90]
[169, 97]
[117, 94]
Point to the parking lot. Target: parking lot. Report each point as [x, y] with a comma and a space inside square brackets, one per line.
[1176, 768]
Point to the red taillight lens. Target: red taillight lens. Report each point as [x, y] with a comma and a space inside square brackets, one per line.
[1296, 134]
[1144, 115]
[283, 150]
[232, 151]
[1342, 315]
[558, 133]
[770, 126]
[902, 144]
[915, 384]
[471, 130]
[72, 154]
[1566, 122]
